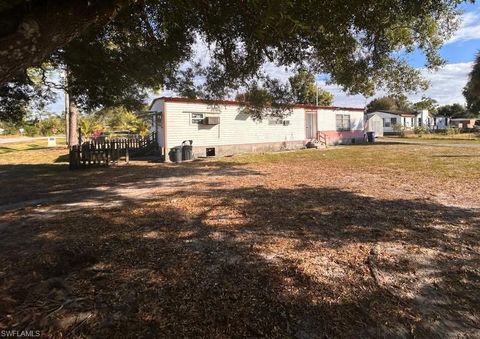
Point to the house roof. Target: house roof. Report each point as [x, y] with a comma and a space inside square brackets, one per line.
[239, 103]
[402, 114]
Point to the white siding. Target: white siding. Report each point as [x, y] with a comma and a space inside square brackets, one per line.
[440, 122]
[407, 122]
[374, 124]
[158, 127]
[327, 119]
[234, 128]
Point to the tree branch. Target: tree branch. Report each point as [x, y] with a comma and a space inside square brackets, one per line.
[43, 29]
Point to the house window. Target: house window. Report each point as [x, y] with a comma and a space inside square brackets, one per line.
[393, 121]
[275, 121]
[343, 122]
[197, 118]
[386, 122]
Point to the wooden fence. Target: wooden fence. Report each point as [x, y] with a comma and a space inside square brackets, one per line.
[105, 152]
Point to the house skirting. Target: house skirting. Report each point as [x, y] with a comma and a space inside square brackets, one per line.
[345, 137]
[225, 150]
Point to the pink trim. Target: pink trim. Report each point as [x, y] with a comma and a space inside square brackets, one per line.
[335, 135]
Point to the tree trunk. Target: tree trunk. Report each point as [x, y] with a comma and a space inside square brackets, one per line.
[67, 109]
[73, 123]
[29, 36]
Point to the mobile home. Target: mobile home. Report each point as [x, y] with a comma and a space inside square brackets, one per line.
[405, 120]
[222, 128]
[464, 123]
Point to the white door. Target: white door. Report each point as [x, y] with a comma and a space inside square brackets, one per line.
[311, 125]
[378, 128]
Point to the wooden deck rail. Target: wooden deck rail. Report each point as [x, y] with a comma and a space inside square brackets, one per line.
[322, 138]
[104, 152]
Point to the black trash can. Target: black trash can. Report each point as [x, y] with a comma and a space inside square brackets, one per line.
[187, 150]
[175, 154]
[371, 136]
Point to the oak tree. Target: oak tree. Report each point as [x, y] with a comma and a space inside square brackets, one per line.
[117, 50]
[306, 91]
[472, 89]
[390, 103]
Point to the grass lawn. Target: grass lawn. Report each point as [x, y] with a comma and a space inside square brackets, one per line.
[440, 138]
[352, 241]
[7, 148]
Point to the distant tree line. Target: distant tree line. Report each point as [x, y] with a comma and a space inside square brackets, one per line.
[103, 121]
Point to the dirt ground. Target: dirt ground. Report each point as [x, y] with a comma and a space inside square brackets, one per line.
[358, 241]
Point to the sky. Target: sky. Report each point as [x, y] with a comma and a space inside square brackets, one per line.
[446, 84]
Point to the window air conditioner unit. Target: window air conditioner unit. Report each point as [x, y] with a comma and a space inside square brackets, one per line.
[211, 121]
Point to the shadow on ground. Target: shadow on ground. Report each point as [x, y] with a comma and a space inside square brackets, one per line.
[54, 182]
[245, 262]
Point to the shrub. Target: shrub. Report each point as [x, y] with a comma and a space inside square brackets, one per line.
[452, 131]
[31, 130]
[420, 130]
[399, 128]
[51, 125]
[9, 128]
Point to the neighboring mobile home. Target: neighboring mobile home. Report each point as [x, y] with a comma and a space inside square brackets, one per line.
[407, 120]
[464, 123]
[440, 122]
[221, 128]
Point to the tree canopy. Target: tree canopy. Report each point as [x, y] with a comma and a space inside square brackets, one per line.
[273, 97]
[117, 50]
[306, 91]
[427, 103]
[472, 89]
[390, 103]
[454, 111]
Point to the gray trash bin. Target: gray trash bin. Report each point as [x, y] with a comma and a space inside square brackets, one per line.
[175, 154]
[371, 136]
[187, 150]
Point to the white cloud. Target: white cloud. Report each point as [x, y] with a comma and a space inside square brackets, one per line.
[446, 85]
[341, 98]
[469, 28]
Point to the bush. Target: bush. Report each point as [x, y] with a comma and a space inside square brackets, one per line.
[420, 130]
[51, 125]
[9, 128]
[31, 130]
[399, 128]
[452, 131]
